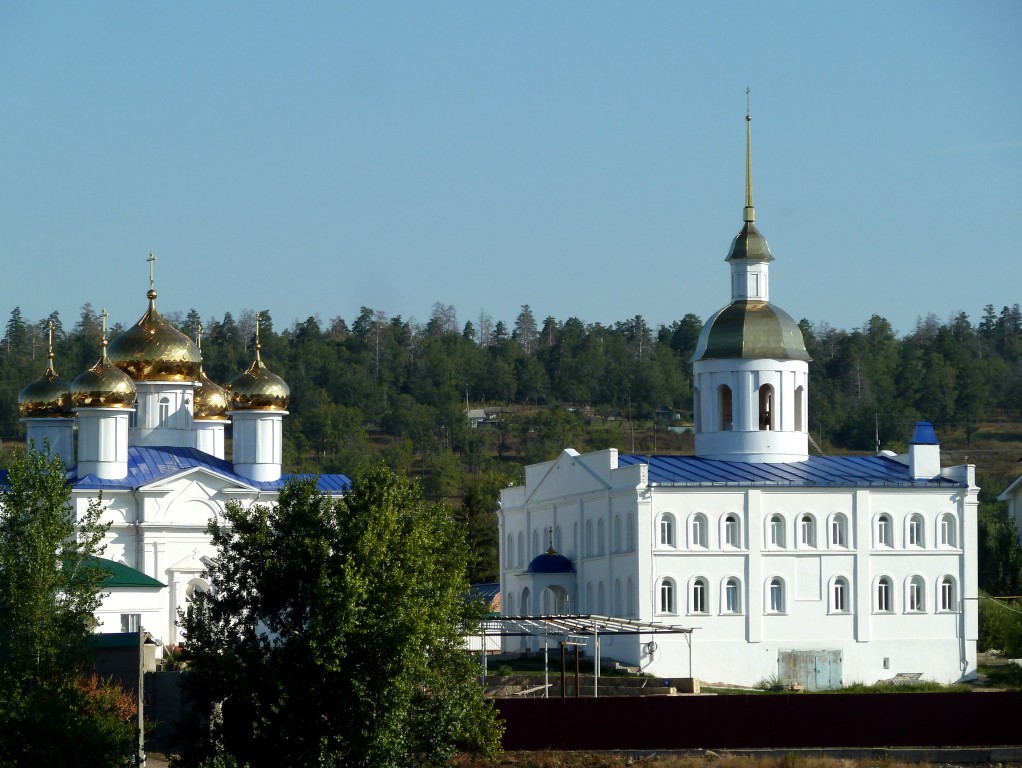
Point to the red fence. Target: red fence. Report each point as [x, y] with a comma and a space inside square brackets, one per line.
[781, 721]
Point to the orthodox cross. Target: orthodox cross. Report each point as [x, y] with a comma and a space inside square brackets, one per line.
[152, 270]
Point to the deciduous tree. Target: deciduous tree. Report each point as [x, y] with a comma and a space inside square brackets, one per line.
[333, 634]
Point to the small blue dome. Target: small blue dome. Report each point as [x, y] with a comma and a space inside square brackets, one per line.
[924, 434]
[551, 562]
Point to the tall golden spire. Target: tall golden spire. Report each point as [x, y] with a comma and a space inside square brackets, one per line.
[750, 212]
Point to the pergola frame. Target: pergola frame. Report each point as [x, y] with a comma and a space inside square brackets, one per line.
[573, 629]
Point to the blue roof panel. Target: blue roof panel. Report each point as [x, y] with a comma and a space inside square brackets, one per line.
[148, 465]
[814, 472]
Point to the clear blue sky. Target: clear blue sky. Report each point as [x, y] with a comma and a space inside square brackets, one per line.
[586, 158]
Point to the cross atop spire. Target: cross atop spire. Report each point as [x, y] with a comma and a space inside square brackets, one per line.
[152, 271]
[750, 211]
[258, 346]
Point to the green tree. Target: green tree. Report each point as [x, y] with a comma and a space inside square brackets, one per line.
[333, 634]
[53, 714]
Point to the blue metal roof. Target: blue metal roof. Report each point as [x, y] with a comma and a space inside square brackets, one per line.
[148, 465]
[814, 472]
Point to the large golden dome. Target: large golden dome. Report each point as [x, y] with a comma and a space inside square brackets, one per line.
[210, 399]
[258, 389]
[49, 396]
[103, 386]
[154, 350]
[751, 330]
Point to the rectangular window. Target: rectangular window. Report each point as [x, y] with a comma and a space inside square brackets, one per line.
[131, 622]
[698, 597]
[731, 602]
[840, 597]
[915, 596]
[884, 596]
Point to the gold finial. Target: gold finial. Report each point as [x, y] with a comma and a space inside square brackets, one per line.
[750, 212]
[49, 354]
[103, 316]
[258, 346]
[151, 295]
[551, 550]
[198, 339]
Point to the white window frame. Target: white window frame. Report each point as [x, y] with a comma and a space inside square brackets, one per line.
[948, 531]
[668, 529]
[884, 595]
[806, 531]
[840, 595]
[732, 531]
[732, 596]
[776, 603]
[885, 531]
[948, 590]
[915, 533]
[699, 530]
[915, 594]
[839, 531]
[667, 596]
[776, 530]
[699, 596]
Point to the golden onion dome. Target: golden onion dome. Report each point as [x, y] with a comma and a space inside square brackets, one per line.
[103, 386]
[48, 397]
[154, 350]
[258, 389]
[210, 399]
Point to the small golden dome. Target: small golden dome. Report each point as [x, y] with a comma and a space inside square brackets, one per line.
[210, 399]
[103, 386]
[258, 389]
[49, 396]
[154, 350]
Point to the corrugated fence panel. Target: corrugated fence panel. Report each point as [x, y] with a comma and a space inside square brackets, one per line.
[795, 721]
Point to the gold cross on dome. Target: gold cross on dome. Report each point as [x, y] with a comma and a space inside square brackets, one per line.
[152, 270]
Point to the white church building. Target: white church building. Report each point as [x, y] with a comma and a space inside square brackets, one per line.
[144, 429]
[822, 570]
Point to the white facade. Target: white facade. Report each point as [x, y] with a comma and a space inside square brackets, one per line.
[818, 570]
[882, 578]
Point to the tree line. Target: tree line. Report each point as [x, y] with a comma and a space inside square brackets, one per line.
[382, 387]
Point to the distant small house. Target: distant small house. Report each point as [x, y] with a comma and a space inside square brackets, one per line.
[475, 416]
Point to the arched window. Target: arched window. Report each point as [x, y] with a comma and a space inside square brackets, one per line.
[800, 409]
[630, 532]
[915, 598]
[724, 397]
[521, 548]
[839, 597]
[590, 549]
[164, 411]
[667, 604]
[616, 604]
[699, 536]
[535, 544]
[776, 531]
[839, 531]
[915, 535]
[557, 539]
[526, 608]
[616, 546]
[775, 597]
[133, 418]
[599, 537]
[697, 416]
[732, 595]
[601, 599]
[590, 604]
[948, 531]
[630, 597]
[509, 555]
[698, 596]
[667, 538]
[884, 595]
[807, 530]
[948, 594]
[732, 533]
[766, 407]
[885, 531]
